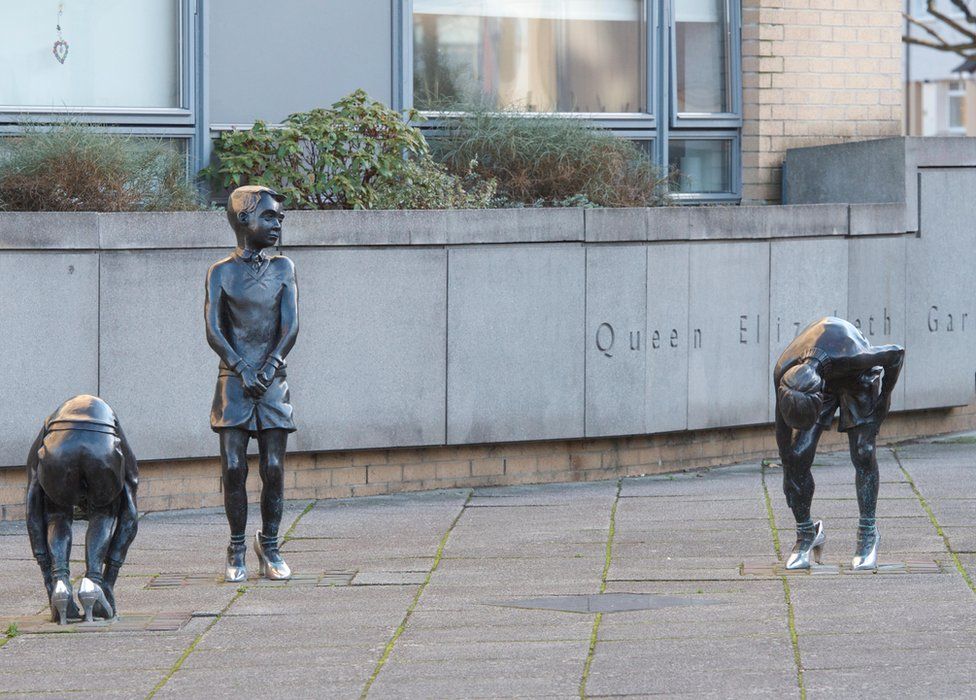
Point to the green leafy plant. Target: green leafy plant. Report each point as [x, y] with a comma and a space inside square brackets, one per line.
[71, 167]
[12, 630]
[544, 160]
[358, 154]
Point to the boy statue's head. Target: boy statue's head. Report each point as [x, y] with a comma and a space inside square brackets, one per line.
[255, 214]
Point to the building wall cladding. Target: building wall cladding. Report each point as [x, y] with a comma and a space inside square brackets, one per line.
[816, 72]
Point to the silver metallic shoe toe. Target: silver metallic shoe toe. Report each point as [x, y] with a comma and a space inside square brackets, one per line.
[866, 556]
[273, 568]
[800, 557]
[236, 571]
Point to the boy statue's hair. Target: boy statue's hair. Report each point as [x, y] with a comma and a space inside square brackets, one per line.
[245, 199]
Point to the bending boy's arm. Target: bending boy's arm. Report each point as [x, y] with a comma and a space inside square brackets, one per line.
[889, 357]
[211, 313]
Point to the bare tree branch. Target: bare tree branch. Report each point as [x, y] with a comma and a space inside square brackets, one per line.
[964, 8]
[926, 28]
[961, 49]
[945, 19]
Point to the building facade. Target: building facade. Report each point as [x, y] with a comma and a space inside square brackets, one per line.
[940, 86]
[715, 89]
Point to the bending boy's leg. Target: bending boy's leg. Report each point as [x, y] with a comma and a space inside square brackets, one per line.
[796, 450]
[59, 519]
[271, 445]
[233, 462]
[101, 522]
[862, 441]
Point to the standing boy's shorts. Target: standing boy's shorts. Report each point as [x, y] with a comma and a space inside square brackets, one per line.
[232, 409]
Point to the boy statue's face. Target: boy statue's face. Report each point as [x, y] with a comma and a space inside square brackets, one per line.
[262, 228]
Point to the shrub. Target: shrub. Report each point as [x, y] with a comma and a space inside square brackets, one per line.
[70, 167]
[359, 154]
[551, 161]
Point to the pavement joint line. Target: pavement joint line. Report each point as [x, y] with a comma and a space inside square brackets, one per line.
[787, 593]
[401, 628]
[607, 560]
[935, 523]
[290, 531]
[193, 645]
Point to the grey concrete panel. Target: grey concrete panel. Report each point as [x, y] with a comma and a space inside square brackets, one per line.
[876, 293]
[668, 341]
[616, 339]
[604, 225]
[165, 229]
[728, 368]
[856, 172]
[807, 281]
[48, 339]
[347, 228]
[156, 368]
[39, 230]
[873, 219]
[516, 328]
[941, 314]
[368, 369]
[513, 225]
[745, 222]
[326, 51]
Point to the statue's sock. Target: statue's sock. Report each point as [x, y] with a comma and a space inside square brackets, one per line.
[807, 527]
[867, 525]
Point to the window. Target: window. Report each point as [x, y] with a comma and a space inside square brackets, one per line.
[107, 54]
[957, 106]
[703, 165]
[533, 55]
[664, 73]
[701, 57]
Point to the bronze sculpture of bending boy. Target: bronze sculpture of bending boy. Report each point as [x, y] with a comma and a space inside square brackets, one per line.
[251, 315]
[830, 365]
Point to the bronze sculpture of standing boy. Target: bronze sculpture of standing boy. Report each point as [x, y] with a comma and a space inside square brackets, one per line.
[252, 321]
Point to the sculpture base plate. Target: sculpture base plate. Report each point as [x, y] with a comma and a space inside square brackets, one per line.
[168, 621]
[909, 566]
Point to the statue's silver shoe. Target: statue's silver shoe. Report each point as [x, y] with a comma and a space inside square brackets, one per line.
[60, 597]
[236, 571]
[90, 593]
[804, 547]
[866, 555]
[272, 565]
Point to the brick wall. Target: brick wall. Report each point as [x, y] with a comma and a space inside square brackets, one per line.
[816, 72]
[196, 483]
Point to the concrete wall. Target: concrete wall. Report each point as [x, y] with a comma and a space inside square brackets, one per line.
[472, 327]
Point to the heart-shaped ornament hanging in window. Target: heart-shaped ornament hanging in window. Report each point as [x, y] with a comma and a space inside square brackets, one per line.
[60, 49]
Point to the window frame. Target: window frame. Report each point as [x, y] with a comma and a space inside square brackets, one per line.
[660, 125]
[190, 63]
[733, 73]
[609, 120]
[735, 163]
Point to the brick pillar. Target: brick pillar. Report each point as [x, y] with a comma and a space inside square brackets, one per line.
[815, 72]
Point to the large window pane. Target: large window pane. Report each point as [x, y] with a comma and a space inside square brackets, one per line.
[531, 55]
[704, 166]
[701, 56]
[120, 54]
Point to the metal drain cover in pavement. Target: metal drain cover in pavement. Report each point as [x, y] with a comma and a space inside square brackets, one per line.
[605, 602]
